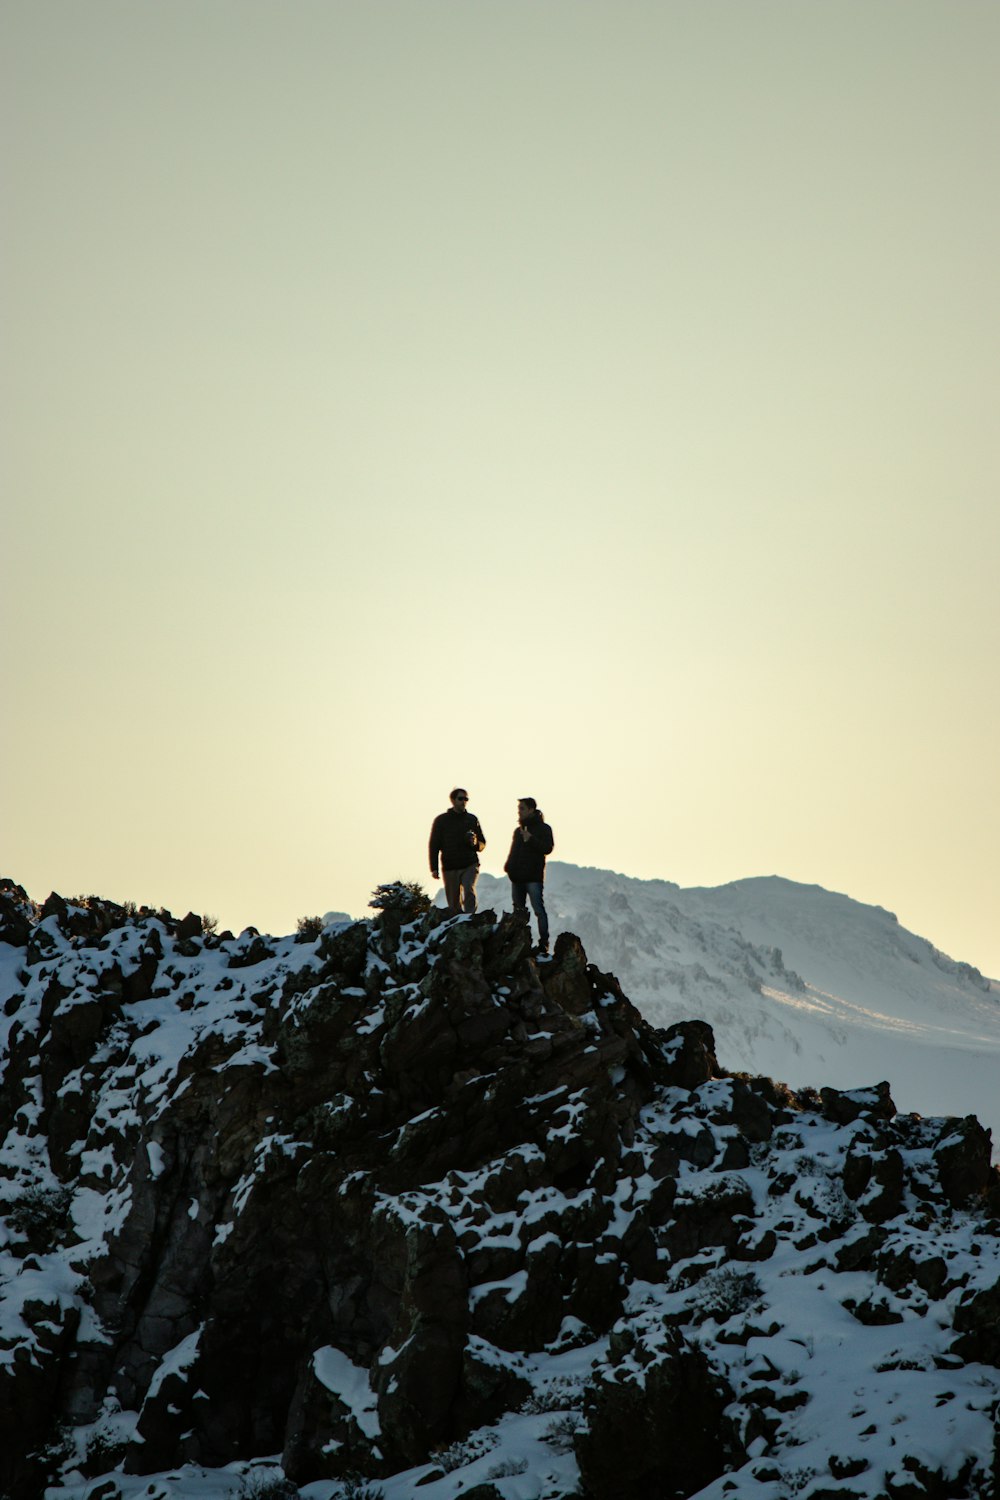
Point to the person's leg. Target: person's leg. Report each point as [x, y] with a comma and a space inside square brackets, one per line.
[536, 891]
[452, 890]
[468, 888]
[519, 895]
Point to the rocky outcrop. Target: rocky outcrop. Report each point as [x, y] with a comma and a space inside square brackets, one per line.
[654, 1419]
[377, 1201]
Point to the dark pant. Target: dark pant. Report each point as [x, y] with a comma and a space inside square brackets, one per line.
[524, 890]
[460, 888]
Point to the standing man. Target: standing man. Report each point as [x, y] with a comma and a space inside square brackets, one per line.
[457, 838]
[529, 848]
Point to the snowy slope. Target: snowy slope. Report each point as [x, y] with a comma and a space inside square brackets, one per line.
[799, 982]
[251, 1188]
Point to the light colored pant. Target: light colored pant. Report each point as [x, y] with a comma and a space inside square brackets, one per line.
[460, 888]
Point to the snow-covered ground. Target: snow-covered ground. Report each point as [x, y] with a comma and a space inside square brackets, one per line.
[798, 982]
[841, 1330]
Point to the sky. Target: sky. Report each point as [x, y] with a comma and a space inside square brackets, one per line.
[591, 401]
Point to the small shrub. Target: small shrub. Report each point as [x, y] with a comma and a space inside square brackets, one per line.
[309, 929]
[56, 1456]
[560, 1394]
[266, 1487]
[209, 925]
[105, 1451]
[458, 1455]
[808, 1166]
[41, 1215]
[406, 896]
[561, 1434]
[356, 1487]
[509, 1466]
[723, 1293]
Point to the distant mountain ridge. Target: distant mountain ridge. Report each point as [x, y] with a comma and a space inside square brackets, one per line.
[798, 982]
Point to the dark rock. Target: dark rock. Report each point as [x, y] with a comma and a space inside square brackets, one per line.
[169, 1411]
[750, 1113]
[490, 1387]
[913, 1480]
[507, 946]
[715, 1216]
[565, 980]
[977, 1322]
[696, 1146]
[29, 1388]
[597, 1290]
[735, 1155]
[655, 1423]
[690, 1051]
[138, 985]
[874, 1311]
[847, 1468]
[255, 952]
[843, 1106]
[755, 1245]
[901, 1268]
[15, 924]
[54, 906]
[883, 1198]
[962, 1154]
[875, 1180]
[323, 1439]
[857, 1173]
[420, 1382]
[858, 1253]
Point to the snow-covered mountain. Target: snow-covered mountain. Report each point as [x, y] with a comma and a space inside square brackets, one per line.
[798, 982]
[395, 1205]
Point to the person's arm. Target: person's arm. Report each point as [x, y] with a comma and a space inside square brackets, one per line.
[434, 847]
[546, 839]
[480, 837]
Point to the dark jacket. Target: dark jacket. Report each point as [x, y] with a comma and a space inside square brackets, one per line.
[450, 839]
[526, 860]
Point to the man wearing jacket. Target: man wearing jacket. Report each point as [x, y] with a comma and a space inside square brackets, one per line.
[529, 848]
[456, 839]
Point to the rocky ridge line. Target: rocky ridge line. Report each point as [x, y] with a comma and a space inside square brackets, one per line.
[401, 1200]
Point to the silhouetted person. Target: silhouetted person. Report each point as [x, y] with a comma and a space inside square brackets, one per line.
[529, 848]
[457, 838]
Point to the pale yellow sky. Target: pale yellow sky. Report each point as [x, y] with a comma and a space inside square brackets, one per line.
[589, 400]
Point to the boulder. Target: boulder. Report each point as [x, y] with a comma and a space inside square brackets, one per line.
[655, 1421]
[15, 924]
[844, 1106]
[962, 1155]
[977, 1323]
[566, 979]
[689, 1051]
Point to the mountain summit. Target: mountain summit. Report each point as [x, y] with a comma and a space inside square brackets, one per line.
[396, 1208]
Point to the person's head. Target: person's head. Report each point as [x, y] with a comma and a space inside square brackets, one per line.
[525, 807]
[459, 799]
